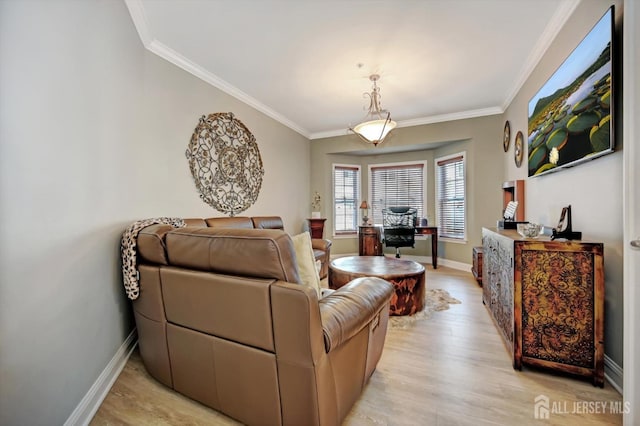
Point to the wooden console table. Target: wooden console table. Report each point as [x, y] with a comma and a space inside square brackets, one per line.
[433, 231]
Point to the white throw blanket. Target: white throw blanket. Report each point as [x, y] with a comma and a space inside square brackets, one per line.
[128, 251]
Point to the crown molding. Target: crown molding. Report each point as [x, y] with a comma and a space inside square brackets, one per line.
[140, 21]
[424, 120]
[191, 67]
[136, 10]
[564, 11]
[474, 113]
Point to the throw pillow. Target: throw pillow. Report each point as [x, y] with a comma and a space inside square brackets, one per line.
[306, 261]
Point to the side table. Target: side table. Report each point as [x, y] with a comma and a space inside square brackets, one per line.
[316, 225]
[369, 241]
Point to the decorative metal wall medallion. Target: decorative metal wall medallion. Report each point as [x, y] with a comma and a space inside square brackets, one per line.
[225, 163]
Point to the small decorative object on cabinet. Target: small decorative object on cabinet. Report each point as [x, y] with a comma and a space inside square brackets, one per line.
[369, 243]
[477, 264]
[547, 299]
[316, 225]
[514, 191]
[565, 229]
[315, 204]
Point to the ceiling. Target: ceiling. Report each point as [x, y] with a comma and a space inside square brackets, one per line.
[306, 63]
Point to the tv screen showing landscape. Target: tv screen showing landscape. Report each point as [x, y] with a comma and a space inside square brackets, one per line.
[570, 118]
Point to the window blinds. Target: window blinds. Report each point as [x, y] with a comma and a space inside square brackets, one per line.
[393, 186]
[346, 191]
[450, 189]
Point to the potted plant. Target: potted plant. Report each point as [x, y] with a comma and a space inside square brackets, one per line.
[315, 205]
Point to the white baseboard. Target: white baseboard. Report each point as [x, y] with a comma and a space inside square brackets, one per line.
[441, 262]
[466, 267]
[87, 408]
[613, 373]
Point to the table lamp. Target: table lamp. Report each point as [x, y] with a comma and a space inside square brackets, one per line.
[365, 207]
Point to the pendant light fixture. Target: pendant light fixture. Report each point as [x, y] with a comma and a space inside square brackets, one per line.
[377, 123]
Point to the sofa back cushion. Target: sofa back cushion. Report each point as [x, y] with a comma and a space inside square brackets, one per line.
[150, 242]
[267, 222]
[259, 253]
[229, 222]
[195, 222]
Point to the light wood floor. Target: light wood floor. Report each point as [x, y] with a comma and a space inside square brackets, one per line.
[451, 369]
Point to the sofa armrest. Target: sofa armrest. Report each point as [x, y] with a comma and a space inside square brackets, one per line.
[321, 244]
[352, 307]
[296, 323]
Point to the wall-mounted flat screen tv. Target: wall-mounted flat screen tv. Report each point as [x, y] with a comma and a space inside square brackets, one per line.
[571, 116]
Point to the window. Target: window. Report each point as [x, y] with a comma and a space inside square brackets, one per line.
[346, 193]
[450, 196]
[397, 184]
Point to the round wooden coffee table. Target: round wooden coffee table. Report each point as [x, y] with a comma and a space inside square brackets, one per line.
[406, 276]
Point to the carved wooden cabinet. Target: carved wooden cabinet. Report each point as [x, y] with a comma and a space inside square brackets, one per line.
[547, 299]
[369, 241]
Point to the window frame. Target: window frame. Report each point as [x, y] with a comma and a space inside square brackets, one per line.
[358, 198]
[399, 164]
[447, 158]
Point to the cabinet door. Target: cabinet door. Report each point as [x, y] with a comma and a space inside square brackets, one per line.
[561, 306]
[498, 282]
[369, 241]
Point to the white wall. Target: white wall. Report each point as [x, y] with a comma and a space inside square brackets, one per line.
[593, 189]
[93, 133]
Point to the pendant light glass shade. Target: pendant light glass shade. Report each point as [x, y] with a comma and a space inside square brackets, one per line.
[375, 130]
[378, 123]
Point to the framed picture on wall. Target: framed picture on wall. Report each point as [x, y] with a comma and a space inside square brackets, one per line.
[570, 118]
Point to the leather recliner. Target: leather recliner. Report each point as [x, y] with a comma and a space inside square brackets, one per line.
[223, 318]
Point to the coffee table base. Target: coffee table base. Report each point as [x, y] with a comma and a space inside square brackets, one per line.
[408, 297]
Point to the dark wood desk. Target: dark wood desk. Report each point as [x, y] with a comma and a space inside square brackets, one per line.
[433, 231]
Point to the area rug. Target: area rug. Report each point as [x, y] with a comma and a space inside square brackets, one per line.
[434, 300]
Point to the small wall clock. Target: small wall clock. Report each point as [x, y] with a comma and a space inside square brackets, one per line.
[506, 138]
[518, 151]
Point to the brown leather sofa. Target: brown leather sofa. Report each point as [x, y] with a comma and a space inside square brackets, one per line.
[223, 319]
[321, 247]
